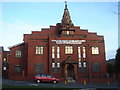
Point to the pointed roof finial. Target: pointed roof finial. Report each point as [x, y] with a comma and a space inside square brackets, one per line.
[65, 4]
[66, 21]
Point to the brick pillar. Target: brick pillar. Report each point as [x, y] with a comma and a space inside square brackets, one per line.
[75, 71]
[65, 70]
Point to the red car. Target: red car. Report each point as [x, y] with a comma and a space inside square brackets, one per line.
[45, 78]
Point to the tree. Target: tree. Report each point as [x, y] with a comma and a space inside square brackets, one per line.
[110, 68]
[117, 61]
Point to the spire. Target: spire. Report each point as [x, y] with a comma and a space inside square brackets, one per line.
[66, 21]
[65, 4]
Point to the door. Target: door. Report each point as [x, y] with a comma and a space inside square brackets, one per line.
[70, 70]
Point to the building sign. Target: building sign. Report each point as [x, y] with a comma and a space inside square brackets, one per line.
[69, 41]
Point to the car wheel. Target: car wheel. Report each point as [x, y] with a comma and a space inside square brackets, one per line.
[54, 82]
[38, 81]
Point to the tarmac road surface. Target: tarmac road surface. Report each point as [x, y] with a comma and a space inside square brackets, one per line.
[92, 86]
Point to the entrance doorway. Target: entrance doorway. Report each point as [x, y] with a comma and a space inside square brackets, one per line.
[70, 71]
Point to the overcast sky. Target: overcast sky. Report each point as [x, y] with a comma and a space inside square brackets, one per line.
[20, 18]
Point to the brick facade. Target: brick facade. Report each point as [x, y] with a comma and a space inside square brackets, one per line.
[4, 62]
[63, 51]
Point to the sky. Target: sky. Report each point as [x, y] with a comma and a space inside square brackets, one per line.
[20, 18]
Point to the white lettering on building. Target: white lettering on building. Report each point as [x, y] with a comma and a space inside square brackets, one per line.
[69, 41]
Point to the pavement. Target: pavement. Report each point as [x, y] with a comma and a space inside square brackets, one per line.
[92, 86]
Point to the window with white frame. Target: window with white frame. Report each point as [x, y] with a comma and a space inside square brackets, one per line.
[58, 52]
[68, 50]
[18, 54]
[53, 52]
[80, 65]
[68, 32]
[79, 52]
[79, 59]
[4, 68]
[39, 50]
[84, 52]
[84, 64]
[53, 65]
[95, 50]
[58, 65]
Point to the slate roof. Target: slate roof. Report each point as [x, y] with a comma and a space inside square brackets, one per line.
[16, 45]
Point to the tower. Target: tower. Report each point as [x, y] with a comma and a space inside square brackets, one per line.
[66, 26]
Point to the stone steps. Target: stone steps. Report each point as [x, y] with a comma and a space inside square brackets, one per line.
[71, 80]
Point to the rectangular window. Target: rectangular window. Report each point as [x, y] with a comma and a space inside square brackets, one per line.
[84, 69]
[58, 65]
[58, 52]
[53, 65]
[4, 68]
[63, 32]
[39, 50]
[53, 52]
[84, 52]
[84, 64]
[57, 60]
[68, 50]
[80, 69]
[17, 68]
[68, 32]
[39, 68]
[80, 65]
[18, 53]
[95, 50]
[79, 52]
[79, 59]
[53, 60]
[96, 67]
[71, 32]
[56, 70]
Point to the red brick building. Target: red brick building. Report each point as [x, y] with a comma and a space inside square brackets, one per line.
[65, 51]
[4, 62]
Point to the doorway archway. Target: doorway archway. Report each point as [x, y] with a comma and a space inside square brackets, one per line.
[70, 70]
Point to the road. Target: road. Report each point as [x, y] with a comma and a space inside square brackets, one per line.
[69, 85]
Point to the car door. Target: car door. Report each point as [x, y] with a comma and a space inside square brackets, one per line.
[43, 78]
[49, 78]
